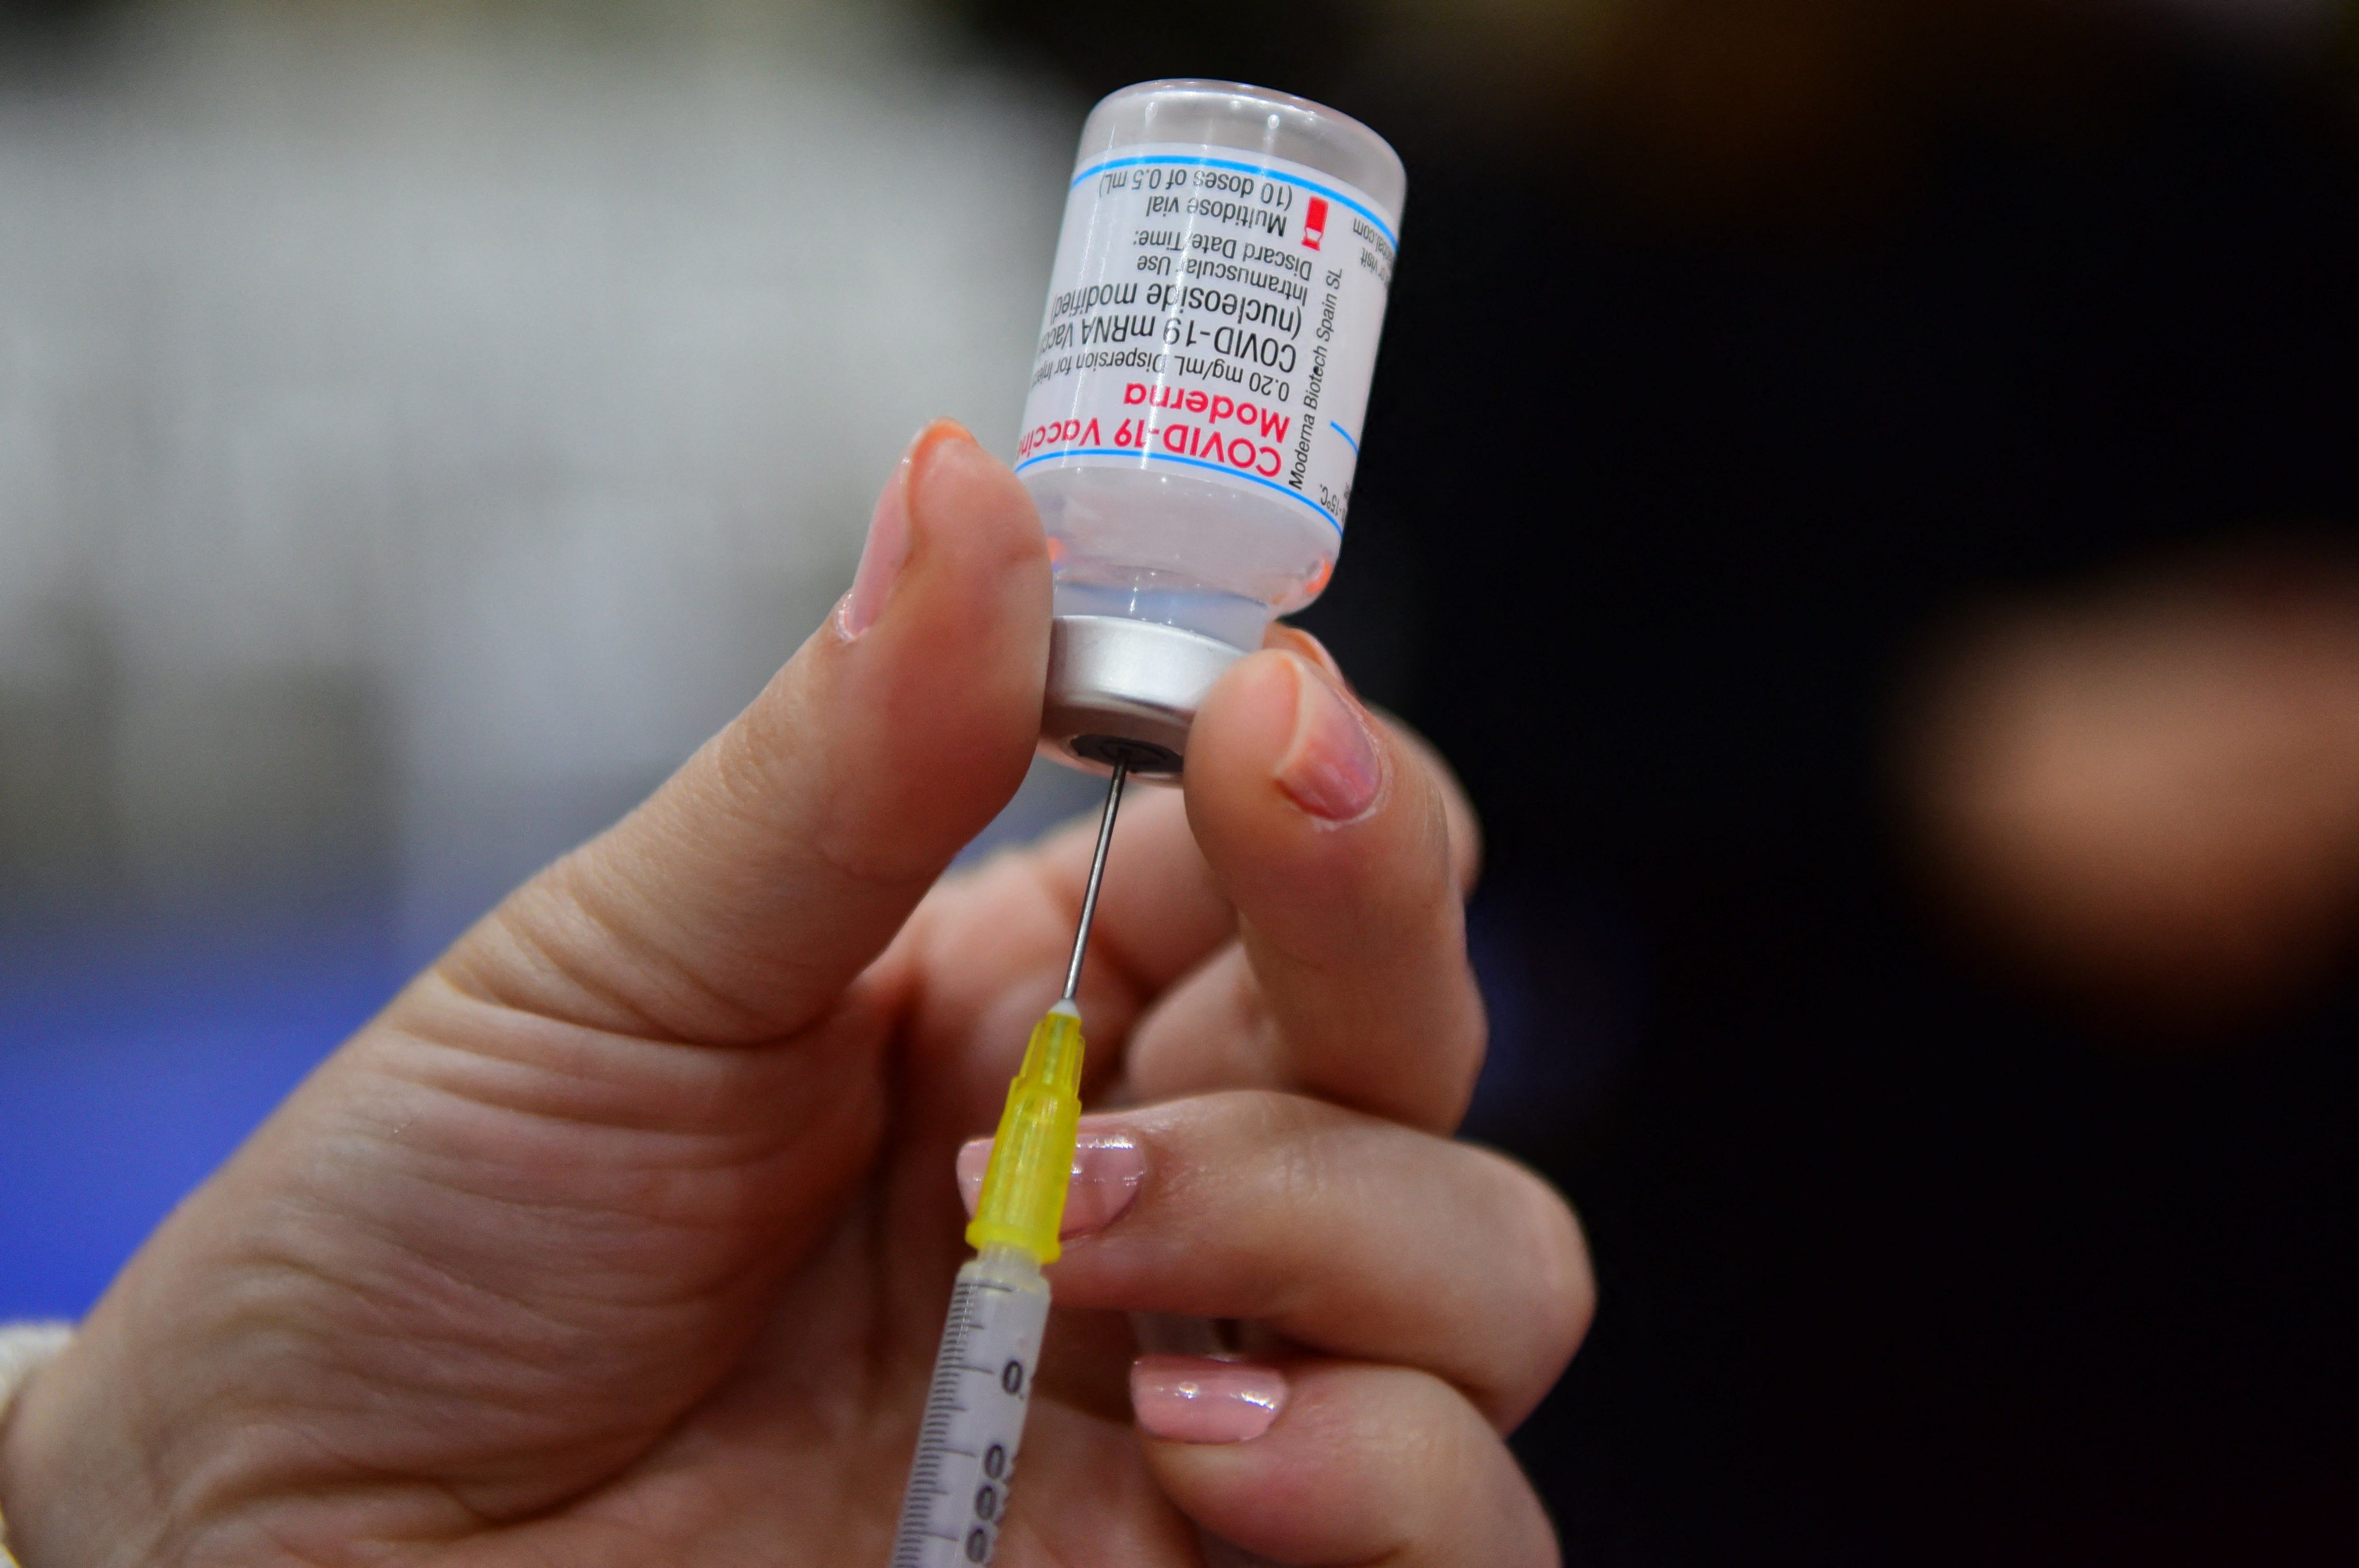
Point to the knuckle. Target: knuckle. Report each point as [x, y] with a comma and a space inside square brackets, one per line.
[1470, 1033]
[1456, 823]
[1272, 1119]
[1560, 1287]
[1455, 1490]
[1242, 1154]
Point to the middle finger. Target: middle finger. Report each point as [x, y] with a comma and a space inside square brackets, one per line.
[1343, 1231]
[1343, 845]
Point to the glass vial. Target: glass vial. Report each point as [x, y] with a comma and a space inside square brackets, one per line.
[1194, 416]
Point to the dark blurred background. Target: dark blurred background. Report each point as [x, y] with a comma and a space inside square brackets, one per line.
[1864, 492]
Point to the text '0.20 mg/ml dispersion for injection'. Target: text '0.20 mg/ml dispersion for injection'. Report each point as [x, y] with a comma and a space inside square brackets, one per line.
[1203, 370]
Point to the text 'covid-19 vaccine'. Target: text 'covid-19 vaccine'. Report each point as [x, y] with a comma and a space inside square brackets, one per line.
[1194, 417]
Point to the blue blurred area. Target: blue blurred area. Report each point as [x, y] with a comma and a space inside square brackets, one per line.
[1566, 982]
[136, 1053]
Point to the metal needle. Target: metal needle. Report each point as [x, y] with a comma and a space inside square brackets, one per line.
[1097, 875]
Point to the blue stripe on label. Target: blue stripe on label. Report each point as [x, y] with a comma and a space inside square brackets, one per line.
[1285, 490]
[1346, 435]
[1337, 196]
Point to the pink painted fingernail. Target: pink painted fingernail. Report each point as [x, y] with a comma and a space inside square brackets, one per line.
[887, 548]
[1188, 1399]
[1108, 1170]
[1332, 768]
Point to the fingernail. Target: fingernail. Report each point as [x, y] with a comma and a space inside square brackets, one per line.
[1332, 768]
[1188, 1399]
[887, 548]
[1296, 640]
[1108, 1170]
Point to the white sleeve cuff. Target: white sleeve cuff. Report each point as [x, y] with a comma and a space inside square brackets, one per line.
[24, 1347]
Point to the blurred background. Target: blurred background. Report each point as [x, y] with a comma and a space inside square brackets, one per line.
[419, 428]
[1863, 490]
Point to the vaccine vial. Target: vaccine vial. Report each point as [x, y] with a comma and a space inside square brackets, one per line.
[1194, 416]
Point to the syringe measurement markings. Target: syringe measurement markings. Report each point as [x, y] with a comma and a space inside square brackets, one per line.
[944, 1408]
[966, 1450]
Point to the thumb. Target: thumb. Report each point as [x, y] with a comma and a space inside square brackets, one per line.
[739, 899]
[499, 1271]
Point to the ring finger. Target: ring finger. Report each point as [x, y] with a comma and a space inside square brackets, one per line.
[1316, 1463]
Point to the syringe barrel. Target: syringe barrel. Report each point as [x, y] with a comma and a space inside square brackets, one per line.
[1194, 419]
[973, 1424]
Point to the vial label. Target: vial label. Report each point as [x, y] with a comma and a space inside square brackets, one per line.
[1213, 313]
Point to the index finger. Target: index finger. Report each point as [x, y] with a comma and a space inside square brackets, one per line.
[1162, 912]
[1343, 849]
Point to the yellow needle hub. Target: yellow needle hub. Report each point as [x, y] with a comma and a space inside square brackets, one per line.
[1023, 1202]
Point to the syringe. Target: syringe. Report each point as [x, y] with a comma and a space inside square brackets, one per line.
[999, 1307]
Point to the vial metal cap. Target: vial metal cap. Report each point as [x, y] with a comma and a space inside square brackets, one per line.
[1124, 691]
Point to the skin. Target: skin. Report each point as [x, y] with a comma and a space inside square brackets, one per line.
[623, 1235]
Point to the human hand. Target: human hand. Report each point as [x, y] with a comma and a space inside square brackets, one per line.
[624, 1234]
